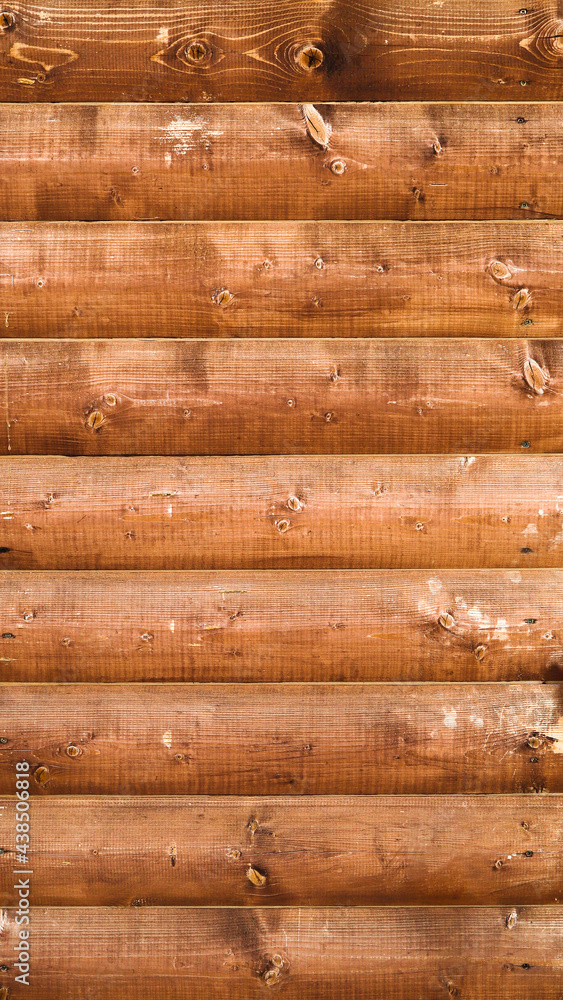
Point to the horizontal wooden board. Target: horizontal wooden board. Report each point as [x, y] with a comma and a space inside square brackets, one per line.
[437, 161]
[349, 512]
[285, 625]
[306, 851]
[242, 739]
[198, 51]
[200, 397]
[492, 953]
[286, 279]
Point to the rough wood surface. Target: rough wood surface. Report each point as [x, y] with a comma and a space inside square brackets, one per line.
[286, 279]
[437, 161]
[492, 953]
[281, 626]
[307, 851]
[243, 739]
[351, 512]
[199, 51]
[199, 397]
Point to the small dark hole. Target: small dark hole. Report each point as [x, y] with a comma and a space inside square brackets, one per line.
[4, 548]
[525, 550]
[528, 854]
[8, 635]
[534, 760]
[530, 621]
[520, 121]
[525, 965]
[525, 444]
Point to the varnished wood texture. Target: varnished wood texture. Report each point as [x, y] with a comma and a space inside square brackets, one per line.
[282, 626]
[227, 162]
[349, 512]
[199, 51]
[250, 397]
[286, 279]
[308, 851]
[275, 739]
[494, 953]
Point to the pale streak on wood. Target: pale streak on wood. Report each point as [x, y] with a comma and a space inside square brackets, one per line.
[281, 739]
[238, 954]
[311, 850]
[221, 397]
[129, 162]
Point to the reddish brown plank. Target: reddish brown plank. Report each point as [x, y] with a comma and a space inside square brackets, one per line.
[248, 161]
[246, 52]
[307, 851]
[493, 953]
[233, 397]
[349, 512]
[286, 625]
[296, 739]
[286, 279]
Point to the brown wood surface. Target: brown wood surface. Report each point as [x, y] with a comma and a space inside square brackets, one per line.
[492, 953]
[296, 739]
[281, 626]
[199, 397]
[228, 162]
[311, 851]
[198, 51]
[345, 512]
[286, 279]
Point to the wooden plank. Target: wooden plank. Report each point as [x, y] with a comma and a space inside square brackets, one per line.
[309, 851]
[286, 279]
[350, 512]
[231, 397]
[486, 953]
[297, 739]
[201, 52]
[286, 625]
[439, 161]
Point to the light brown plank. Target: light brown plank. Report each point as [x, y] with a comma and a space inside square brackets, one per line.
[281, 626]
[437, 161]
[276, 739]
[286, 279]
[201, 397]
[349, 512]
[291, 51]
[309, 851]
[494, 953]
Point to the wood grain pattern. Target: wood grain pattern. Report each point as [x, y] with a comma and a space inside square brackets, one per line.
[350, 512]
[492, 953]
[201, 397]
[227, 162]
[297, 739]
[266, 50]
[281, 626]
[312, 850]
[286, 279]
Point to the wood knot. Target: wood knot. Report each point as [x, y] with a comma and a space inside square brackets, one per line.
[437, 147]
[309, 57]
[232, 853]
[7, 20]
[294, 503]
[535, 376]
[42, 775]
[317, 128]
[110, 399]
[511, 920]
[499, 271]
[73, 751]
[223, 297]
[522, 298]
[197, 53]
[534, 742]
[94, 420]
[338, 167]
[283, 525]
[271, 977]
[446, 620]
[255, 876]
[479, 652]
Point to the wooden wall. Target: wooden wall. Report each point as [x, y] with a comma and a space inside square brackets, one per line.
[281, 499]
